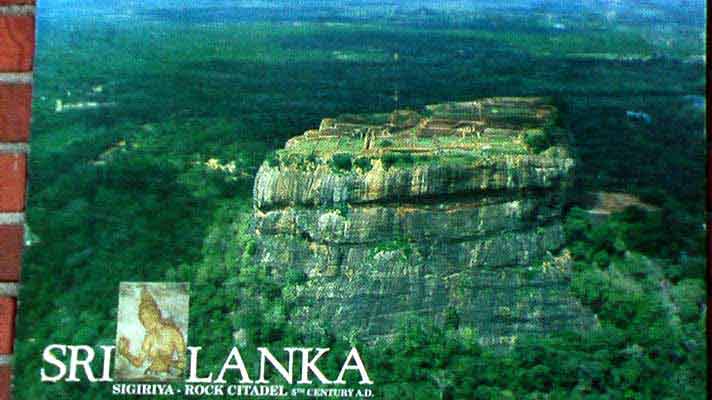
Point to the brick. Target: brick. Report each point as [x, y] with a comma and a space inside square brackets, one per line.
[13, 2]
[13, 170]
[11, 244]
[5, 382]
[8, 307]
[17, 42]
[15, 111]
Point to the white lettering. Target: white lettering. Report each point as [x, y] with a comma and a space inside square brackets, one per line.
[193, 377]
[49, 357]
[75, 362]
[310, 365]
[358, 366]
[265, 356]
[239, 365]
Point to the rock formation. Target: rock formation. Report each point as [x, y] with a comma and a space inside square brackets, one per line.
[449, 213]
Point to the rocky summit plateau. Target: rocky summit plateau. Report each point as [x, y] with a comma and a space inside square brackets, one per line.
[451, 213]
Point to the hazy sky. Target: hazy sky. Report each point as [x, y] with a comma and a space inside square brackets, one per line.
[50, 8]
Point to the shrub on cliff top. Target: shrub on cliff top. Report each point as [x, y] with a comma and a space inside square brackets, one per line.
[385, 143]
[312, 158]
[390, 159]
[272, 159]
[537, 140]
[363, 163]
[341, 161]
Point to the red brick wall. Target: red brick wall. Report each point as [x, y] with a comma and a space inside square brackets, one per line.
[8, 306]
[11, 240]
[13, 173]
[17, 44]
[15, 102]
[17, 37]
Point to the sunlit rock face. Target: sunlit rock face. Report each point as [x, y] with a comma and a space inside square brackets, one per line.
[448, 213]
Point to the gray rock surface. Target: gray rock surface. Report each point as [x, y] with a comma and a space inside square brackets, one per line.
[448, 212]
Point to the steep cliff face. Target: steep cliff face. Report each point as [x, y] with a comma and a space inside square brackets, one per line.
[444, 214]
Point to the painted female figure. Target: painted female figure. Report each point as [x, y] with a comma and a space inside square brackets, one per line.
[163, 345]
